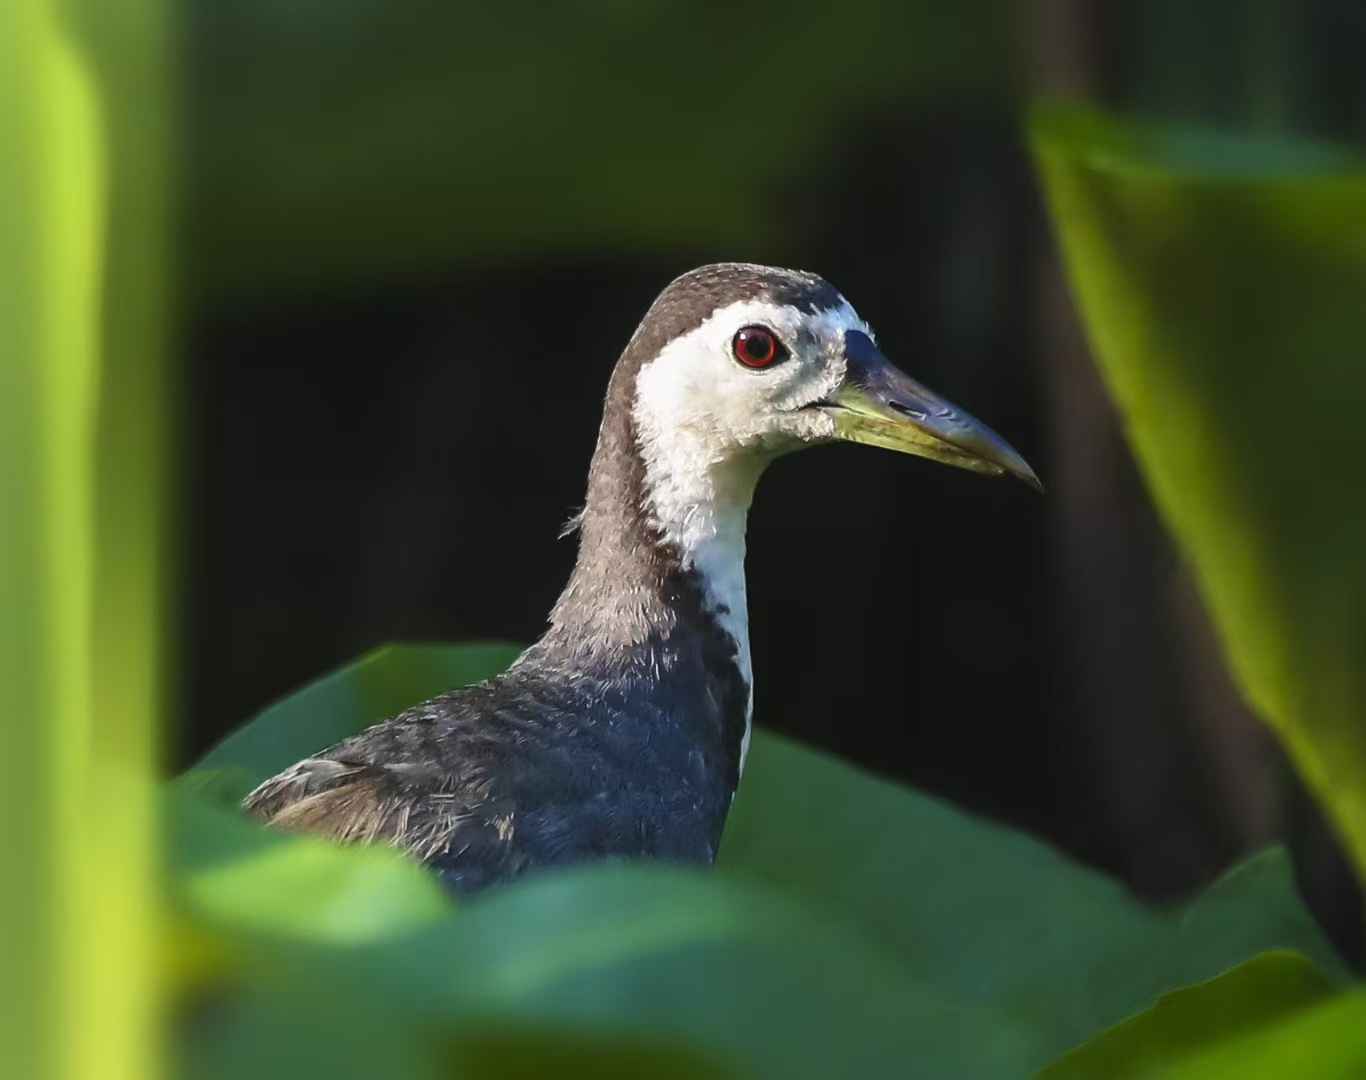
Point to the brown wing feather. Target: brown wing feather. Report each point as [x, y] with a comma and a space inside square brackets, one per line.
[398, 804]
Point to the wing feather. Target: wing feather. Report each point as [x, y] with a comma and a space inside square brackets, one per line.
[396, 804]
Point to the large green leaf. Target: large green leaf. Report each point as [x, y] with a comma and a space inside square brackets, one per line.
[635, 956]
[1221, 283]
[233, 873]
[997, 920]
[482, 133]
[1326, 1043]
[1266, 989]
[854, 926]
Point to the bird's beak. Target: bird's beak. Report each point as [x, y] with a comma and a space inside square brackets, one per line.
[879, 405]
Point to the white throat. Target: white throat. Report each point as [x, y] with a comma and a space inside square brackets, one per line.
[707, 426]
[700, 504]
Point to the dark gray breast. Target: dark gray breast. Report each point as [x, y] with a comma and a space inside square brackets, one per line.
[564, 758]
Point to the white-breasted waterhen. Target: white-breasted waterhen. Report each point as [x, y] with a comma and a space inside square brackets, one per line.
[623, 731]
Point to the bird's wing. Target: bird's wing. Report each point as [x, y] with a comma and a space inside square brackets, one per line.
[399, 804]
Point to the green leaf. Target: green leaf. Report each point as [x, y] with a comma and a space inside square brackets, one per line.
[998, 921]
[632, 955]
[1267, 988]
[322, 126]
[1220, 281]
[271, 1039]
[751, 976]
[1323, 1043]
[238, 877]
[854, 925]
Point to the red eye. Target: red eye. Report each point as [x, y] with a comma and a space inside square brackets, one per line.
[756, 347]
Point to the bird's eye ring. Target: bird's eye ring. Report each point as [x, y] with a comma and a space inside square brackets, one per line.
[757, 347]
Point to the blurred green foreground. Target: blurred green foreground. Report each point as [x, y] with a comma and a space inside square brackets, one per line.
[84, 214]
[1221, 282]
[853, 927]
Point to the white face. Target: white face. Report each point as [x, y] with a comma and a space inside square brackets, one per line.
[699, 400]
[708, 424]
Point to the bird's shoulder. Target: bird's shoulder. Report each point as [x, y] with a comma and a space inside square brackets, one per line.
[411, 779]
[445, 779]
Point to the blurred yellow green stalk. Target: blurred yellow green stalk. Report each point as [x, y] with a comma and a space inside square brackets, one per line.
[83, 184]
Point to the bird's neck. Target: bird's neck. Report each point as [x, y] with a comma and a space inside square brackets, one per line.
[700, 507]
[662, 540]
[656, 603]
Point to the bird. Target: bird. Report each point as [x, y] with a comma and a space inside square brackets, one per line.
[622, 733]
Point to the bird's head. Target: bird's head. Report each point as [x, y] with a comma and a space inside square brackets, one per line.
[741, 363]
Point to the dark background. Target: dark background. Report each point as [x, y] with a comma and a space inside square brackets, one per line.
[419, 238]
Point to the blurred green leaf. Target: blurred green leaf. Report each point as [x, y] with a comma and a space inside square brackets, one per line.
[525, 1052]
[748, 975]
[265, 1037]
[635, 956]
[84, 153]
[1221, 283]
[1327, 1042]
[343, 139]
[995, 919]
[1267, 988]
[231, 872]
[854, 926]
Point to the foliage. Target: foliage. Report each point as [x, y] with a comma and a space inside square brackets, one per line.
[82, 212]
[388, 116]
[1327, 1043]
[1220, 280]
[853, 926]
[1268, 987]
[1221, 283]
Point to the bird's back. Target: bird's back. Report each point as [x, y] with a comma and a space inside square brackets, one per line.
[627, 755]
